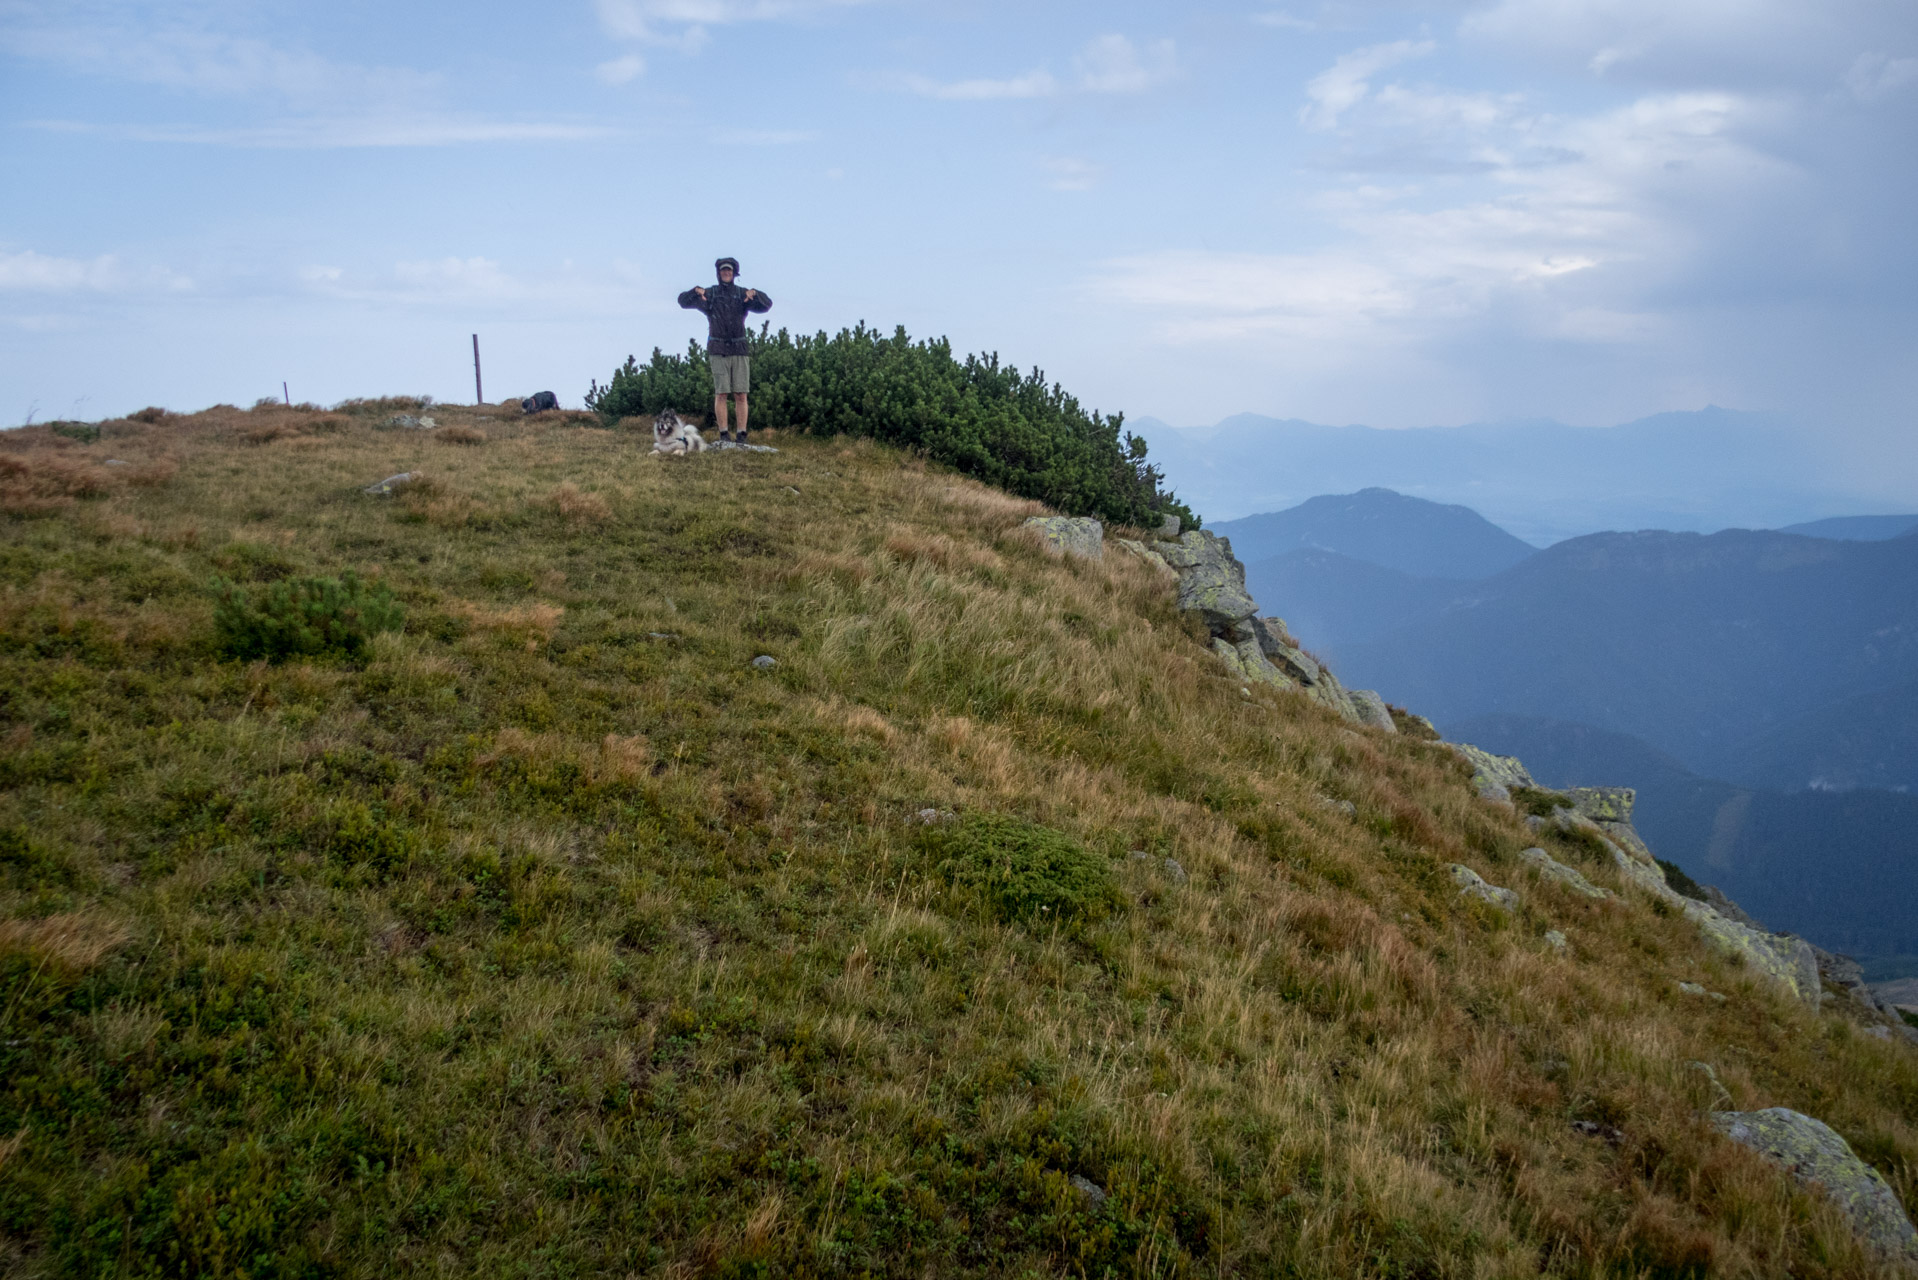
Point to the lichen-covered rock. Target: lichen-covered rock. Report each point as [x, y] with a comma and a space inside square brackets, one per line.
[1494, 776]
[1552, 869]
[1604, 804]
[1815, 1155]
[1372, 711]
[1072, 535]
[1472, 885]
[1144, 553]
[1779, 956]
[1211, 580]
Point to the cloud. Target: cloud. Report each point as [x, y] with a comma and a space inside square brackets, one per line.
[1069, 174]
[684, 22]
[298, 93]
[320, 134]
[1033, 84]
[764, 137]
[31, 272]
[1589, 247]
[1111, 64]
[1877, 75]
[621, 70]
[1285, 21]
[1345, 83]
[208, 63]
[1752, 45]
[1108, 64]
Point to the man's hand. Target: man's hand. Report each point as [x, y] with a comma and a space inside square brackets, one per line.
[699, 293]
[751, 294]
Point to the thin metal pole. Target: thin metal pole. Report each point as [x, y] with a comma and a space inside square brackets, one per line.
[479, 397]
[287, 394]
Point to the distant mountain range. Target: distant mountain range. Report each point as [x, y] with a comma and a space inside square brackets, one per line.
[1410, 535]
[1541, 481]
[1855, 528]
[1759, 688]
[1700, 644]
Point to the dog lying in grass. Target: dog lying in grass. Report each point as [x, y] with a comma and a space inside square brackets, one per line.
[674, 435]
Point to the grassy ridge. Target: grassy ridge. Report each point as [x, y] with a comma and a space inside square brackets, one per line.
[549, 937]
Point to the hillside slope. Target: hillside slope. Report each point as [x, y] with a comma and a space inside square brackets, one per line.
[550, 936]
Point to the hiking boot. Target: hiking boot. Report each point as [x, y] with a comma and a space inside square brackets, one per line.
[725, 437]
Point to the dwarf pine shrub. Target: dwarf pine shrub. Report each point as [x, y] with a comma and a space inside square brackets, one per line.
[302, 617]
[986, 419]
[1023, 871]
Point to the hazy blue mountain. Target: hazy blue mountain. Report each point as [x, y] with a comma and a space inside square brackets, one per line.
[1414, 536]
[1700, 645]
[1838, 868]
[1542, 481]
[1855, 528]
[1870, 740]
[1332, 601]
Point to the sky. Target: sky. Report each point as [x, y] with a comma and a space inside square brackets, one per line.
[1393, 213]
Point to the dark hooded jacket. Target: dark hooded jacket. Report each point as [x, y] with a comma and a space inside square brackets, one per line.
[726, 306]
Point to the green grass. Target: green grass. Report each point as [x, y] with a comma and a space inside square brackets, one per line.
[549, 937]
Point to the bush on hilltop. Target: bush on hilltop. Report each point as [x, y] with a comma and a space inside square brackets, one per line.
[978, 416]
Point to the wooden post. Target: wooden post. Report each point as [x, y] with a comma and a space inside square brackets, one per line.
[289, 395]
[479, 396]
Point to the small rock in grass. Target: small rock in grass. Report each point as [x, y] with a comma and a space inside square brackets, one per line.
[933, 817]
[1094, 1193]
[118, 462]
[662, 635]
[1555, 940]
[765, 662]
[1176, 871]
[1472, 885]
[393, 484]
[1693, 989]
[1593, 1129]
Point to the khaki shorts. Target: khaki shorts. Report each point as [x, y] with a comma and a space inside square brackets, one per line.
[731, 374]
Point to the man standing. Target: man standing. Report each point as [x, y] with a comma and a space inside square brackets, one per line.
[727, 350]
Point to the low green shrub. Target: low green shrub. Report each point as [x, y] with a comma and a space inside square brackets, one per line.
[84, 432]
[1023, 871]
[1675, 877]
[978, 416]
[302, 617]
[1538, 801]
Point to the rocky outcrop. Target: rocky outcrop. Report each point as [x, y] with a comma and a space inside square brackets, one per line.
[1071, 535]
[1552, 869]
[1606, 813]
[1816, 1156]
[1496, 777]
[1257, 650]
[1211, 580]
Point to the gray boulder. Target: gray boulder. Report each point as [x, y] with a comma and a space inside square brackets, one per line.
[1372, 710]
[1552, 869]
[393, 484]
[1496, 777]
[1472, 885]
[1816, 1156]
[1169, 527]
[1211, 580]
[1071, 535]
